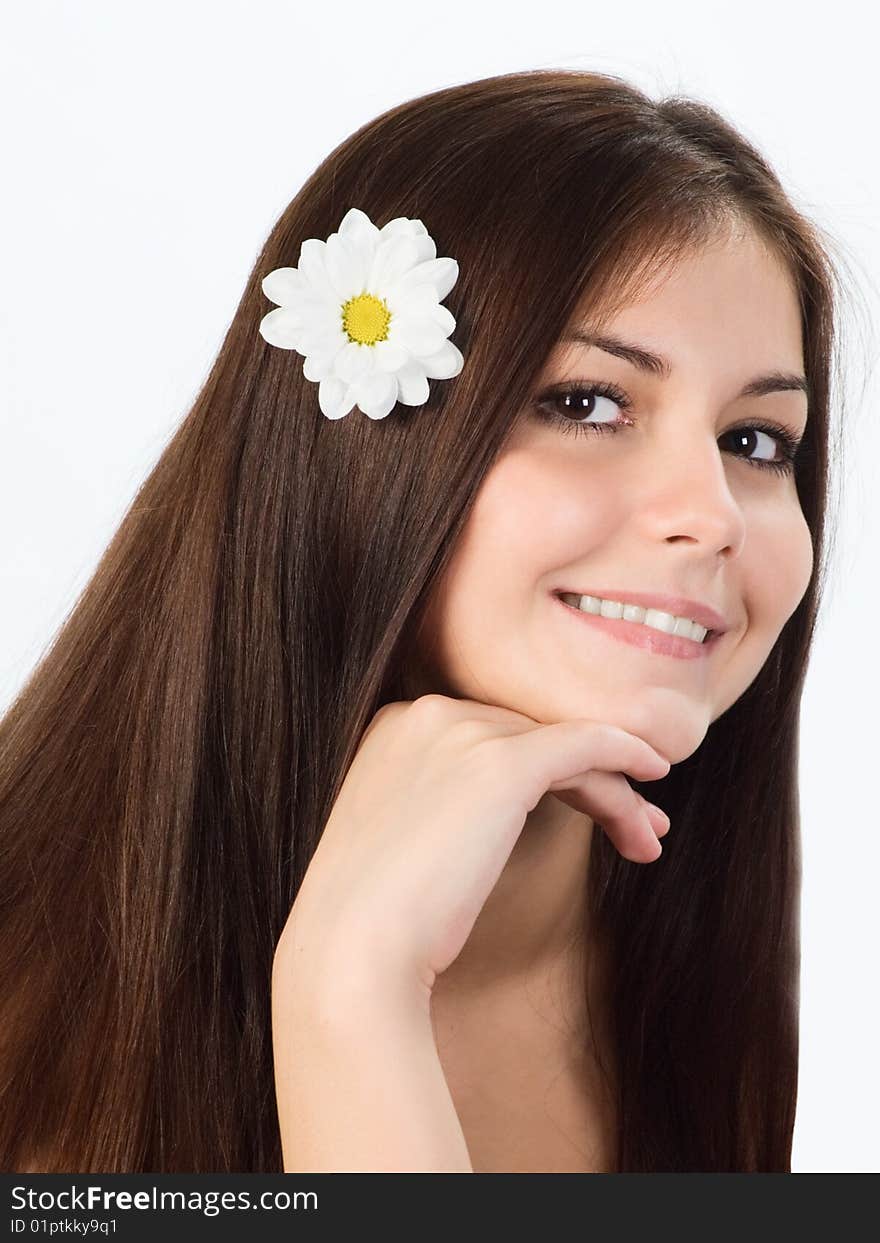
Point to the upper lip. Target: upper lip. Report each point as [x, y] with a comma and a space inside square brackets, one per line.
[678, 606]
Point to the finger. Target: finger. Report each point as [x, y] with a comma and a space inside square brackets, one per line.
[611, 802]
[658, 818]
[549, 756]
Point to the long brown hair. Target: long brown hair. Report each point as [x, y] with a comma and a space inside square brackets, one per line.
[167, 768]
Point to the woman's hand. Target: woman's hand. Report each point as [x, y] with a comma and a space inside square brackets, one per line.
[427, 817]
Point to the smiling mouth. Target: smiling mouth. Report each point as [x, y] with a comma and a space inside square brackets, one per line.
[639, 634]
[653, 618]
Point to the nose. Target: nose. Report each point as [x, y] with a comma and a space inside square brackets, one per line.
[686, 497]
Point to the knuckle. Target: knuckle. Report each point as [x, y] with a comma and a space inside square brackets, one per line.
[430, 706]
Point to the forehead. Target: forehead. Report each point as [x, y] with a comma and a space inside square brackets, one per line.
[732, 296]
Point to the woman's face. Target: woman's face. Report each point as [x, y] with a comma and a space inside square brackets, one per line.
[672, 502]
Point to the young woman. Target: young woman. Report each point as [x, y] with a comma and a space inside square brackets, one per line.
[325, 822]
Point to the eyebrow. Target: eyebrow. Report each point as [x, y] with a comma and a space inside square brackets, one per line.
[656, 364]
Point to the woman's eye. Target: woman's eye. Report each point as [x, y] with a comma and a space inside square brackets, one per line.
[578, 408]
[781, 457]
[573, 406]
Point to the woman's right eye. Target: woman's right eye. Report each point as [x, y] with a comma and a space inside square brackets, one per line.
[578, 400]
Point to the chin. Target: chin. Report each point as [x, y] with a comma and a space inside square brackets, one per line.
[679, 742]
[675, 733]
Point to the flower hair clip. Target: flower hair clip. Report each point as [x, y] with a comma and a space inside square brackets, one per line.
[363, 308]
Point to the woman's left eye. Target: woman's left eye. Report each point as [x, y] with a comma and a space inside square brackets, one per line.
[579, 402]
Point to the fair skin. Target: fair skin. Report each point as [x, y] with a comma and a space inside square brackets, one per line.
[667, 504]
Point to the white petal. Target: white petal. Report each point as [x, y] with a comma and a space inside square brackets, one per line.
[336, 340]
[324, 349]
[403, 226]
[417, 334]
[281, 328]
[346, 267]
[415, 231]
[283, 286]
[422, 300]
[334, 398]
[353, 362]
[443, 318]
[312, 265]
[379, 411]
[413, 384]
[417, 299]
[441, 273]
[319, 338]
[357, 227]
[306, 308]
[426, 249]
[317, 367]
[393, 258]
[323, 318]
[377, 394]
[445, 364]
[389, 355]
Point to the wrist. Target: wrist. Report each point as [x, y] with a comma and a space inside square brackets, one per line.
[339, 976]
[358, 1079]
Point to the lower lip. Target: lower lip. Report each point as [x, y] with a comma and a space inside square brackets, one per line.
[645, 637]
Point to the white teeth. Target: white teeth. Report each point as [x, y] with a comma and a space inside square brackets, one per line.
[654, 618]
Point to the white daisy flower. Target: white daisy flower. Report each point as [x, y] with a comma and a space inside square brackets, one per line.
[364, 310]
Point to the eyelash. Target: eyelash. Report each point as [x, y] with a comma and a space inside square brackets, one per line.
[788, 443]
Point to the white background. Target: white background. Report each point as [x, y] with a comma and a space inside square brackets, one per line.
[149, 149]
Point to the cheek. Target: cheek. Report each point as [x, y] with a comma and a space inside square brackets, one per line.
[547, 509]
[528, 518]
[776, 569]
[780, 566]
[526, 521]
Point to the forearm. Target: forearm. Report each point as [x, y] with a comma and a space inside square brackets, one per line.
[359, 1083]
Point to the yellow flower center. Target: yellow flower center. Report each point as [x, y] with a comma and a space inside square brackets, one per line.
[365, 319]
